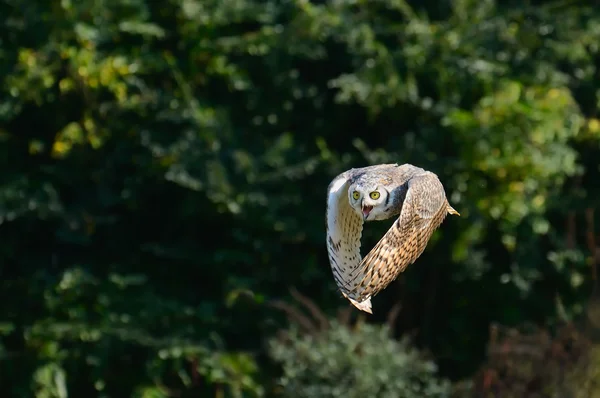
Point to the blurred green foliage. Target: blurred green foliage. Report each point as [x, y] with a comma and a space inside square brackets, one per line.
[342, 362]
[165, 166]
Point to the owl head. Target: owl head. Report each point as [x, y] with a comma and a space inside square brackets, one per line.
[370, 200]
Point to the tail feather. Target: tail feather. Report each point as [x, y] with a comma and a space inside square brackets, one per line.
[452, 211]
[363, 306]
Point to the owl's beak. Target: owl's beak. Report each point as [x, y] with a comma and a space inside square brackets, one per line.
[366, 210]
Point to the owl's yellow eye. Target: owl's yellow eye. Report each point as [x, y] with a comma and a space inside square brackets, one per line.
[374, 195]
[356, 195]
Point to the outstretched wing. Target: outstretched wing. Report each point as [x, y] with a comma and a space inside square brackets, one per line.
[423, 210]
[344, 230]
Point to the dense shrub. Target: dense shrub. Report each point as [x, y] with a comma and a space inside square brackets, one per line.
[354, 363]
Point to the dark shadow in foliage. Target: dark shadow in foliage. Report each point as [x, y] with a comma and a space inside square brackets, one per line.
[539, 363]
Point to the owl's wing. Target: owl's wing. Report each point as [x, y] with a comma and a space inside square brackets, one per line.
[344, 230]
[423, 210]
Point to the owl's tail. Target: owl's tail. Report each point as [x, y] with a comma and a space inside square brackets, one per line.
[363, 306]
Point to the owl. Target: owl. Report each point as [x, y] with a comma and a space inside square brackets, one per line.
[373, 193]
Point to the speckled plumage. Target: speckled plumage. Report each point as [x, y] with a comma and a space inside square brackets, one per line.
[415, 195]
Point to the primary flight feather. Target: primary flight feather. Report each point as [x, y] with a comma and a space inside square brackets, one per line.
[380, 192]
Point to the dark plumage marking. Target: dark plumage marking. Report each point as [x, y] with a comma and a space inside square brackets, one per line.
[387, 199]
[335, 245]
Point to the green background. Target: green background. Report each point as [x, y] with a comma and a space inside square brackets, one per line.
[165, 166]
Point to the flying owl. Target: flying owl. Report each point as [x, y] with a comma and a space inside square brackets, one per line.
[378, 193]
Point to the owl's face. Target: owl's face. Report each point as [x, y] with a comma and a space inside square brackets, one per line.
[369, 201]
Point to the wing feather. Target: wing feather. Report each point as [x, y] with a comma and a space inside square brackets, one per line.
[344, 230]
[423, 210]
